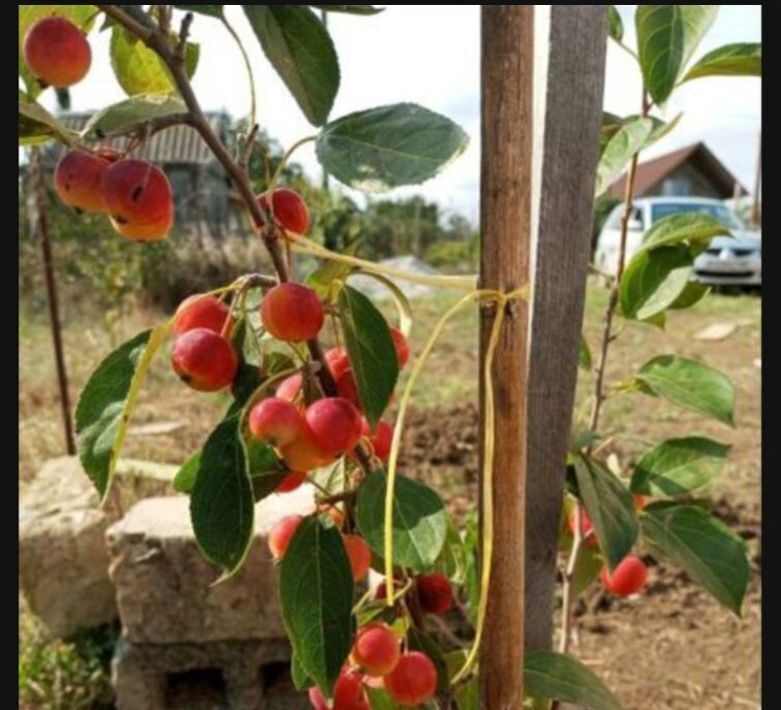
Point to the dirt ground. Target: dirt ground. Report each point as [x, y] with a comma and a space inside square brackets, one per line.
[673, 646]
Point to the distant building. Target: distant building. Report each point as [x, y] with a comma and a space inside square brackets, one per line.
[204, 201]
[693, 171]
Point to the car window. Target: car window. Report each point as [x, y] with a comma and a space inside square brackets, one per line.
[720, 212]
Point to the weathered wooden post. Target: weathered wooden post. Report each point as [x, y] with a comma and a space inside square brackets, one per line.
[505, 226]
[566, 155]
[539, 156]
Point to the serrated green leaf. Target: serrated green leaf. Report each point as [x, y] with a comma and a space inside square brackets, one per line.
[107, 402]
[678, 466]
[611, 508]
[692, 294]
[264, 467]
[82, 16]
[301, 680]
[117, 118]
[419, 521]
[184, 480]
[300, 49]
[139, 70]
[316, 589]
[710, 553]
[739, 59]
[372, 354]
[667, 36]
[653, 280]
[691, 228]
[221, 503]
[587, 570]
[389, 146]
[618, 151]
[556, 676]
[615, 23]
[690, 384]
[37, 125]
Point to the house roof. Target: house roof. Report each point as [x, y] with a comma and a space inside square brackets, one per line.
[652, 172]
[175, 145]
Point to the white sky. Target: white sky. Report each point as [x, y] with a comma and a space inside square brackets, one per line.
[430, 54]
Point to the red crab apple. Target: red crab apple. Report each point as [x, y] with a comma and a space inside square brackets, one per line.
[292, 312]
[376, 649]
[288, 208]
[435, 593]
[77, 180]
[349, 693]
[139, 199]
[628, 577]
[413, 681]
[590, 536]
[275, 420]
[401, 345]
[290, 387]
[202, 311]
[347, 388]
[290, 482]
[359, 555]
[282, 533]
[335, 424]
[57, 52]
[303, 453]
[338, 361]
[204, 360]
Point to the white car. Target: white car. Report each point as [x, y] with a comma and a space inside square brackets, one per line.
[727, 261]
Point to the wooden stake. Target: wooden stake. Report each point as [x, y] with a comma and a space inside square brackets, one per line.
[505, 218]
[573, 113]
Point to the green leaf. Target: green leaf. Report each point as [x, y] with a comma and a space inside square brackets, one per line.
[107, 402]
[661, 129]
[692, 228]
[209, 10]
[616, 24]
[693, 293]
[316, 589]
[332, 479]
[380, 700]
[419, 521]
[301, 680]
[184, 480]
[611, 508]
[611, 123]
[691, 385]
[139, 70]
[389, 146]
[584, 354]
[265, 469]
[653, 280]
[117, 118]
[372, 353]
[587, 570]
[739, 59]
[37, 125]
[556, 676]
[323, 279]
[300, 49]
[351, 9]
[678, 466]
[82, 16]
[710, 553]
[221, 504]
[667, 36]
[623, 144]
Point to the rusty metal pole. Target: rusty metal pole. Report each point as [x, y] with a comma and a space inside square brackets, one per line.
[38, 203]
[505, 224]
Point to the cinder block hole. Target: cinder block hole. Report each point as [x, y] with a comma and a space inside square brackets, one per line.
[275, 678]
[196, 688]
